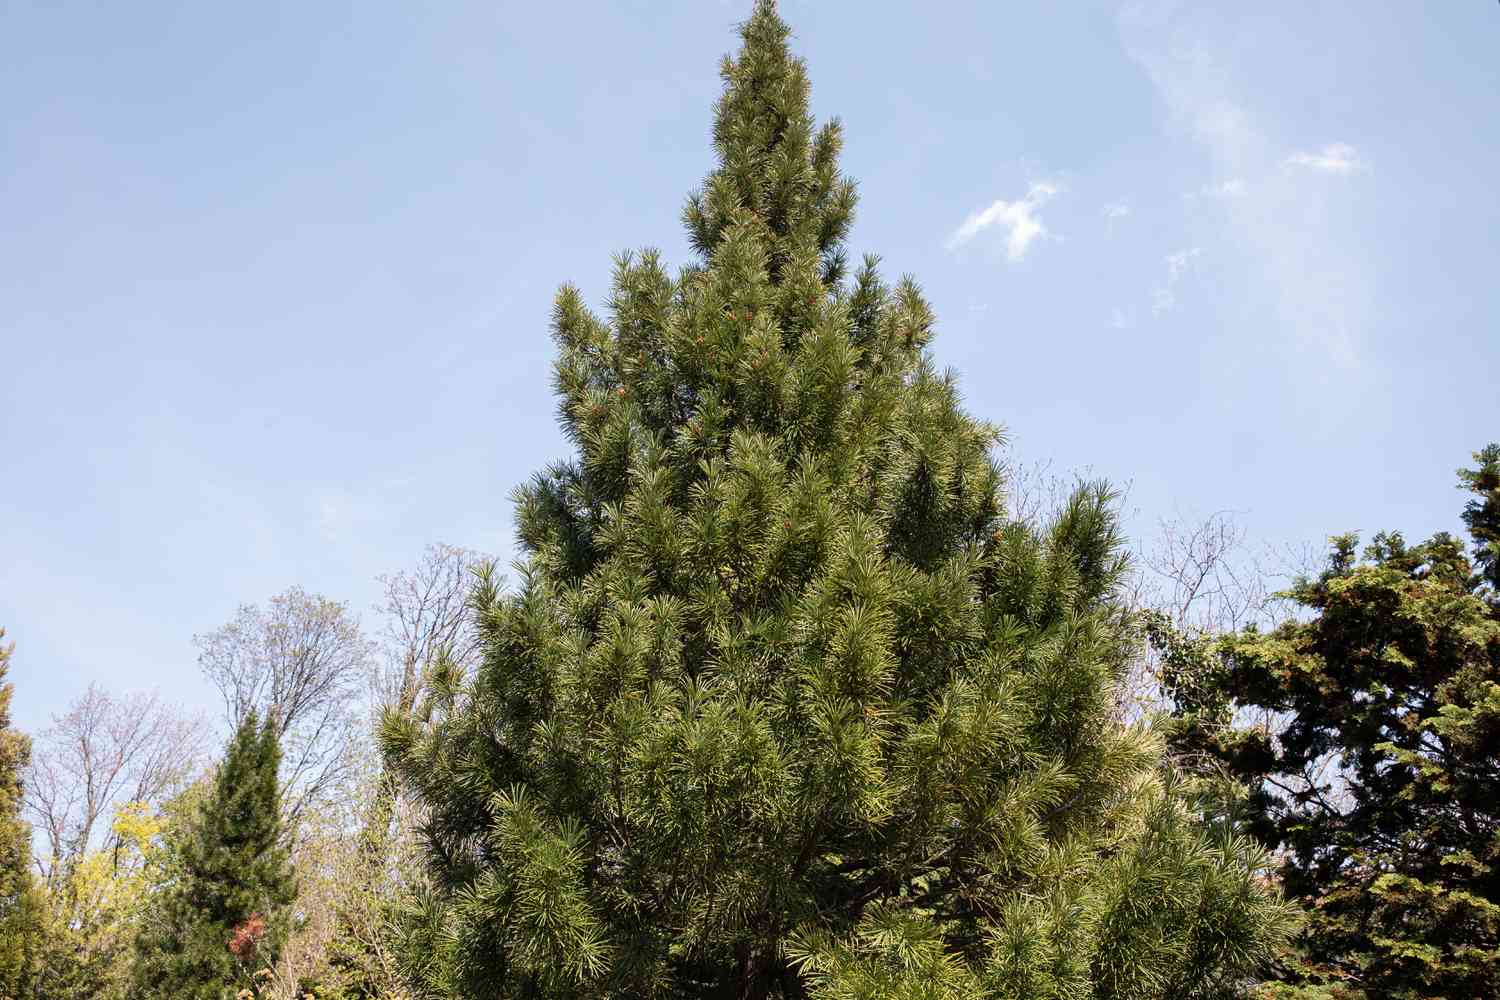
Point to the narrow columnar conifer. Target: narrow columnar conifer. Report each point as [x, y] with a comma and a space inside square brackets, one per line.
[785, 704]
[222, 917]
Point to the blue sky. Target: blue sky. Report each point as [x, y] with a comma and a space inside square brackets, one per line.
[275, 278]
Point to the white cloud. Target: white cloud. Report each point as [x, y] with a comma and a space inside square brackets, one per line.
[1019, 218]
[1121, 319]
[1164, 296]
[1335, 158]
[1178, 262]
[1232, 188]
[1116, 210]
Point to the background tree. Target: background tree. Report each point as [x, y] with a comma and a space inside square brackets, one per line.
[100, 776]
[95, 909]
[343, 945]
[299, 664]
[1198, 580]
[355, 852]
[106, 751]
[785, 703]
[358, 860]
[20, 903]
[1381, 787]
[426, 626]
[424, 616]
[223, 915]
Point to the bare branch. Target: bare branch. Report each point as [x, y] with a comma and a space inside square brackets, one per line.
[425, 615]
[102, 753]
[298, 663]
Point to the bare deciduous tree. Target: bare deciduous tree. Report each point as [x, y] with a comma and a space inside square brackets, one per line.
[345, 897]
[102, 753]
[298, 662]
[1036, 492]
[1205, 578]
[425, 614]
[1201, 576]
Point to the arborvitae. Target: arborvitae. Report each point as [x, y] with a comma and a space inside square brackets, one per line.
[1381, 787]
[785, 703]
[223, 915]
[20, 902]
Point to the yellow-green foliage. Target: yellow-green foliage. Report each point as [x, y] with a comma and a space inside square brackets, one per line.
[20, 899]
[95, 908]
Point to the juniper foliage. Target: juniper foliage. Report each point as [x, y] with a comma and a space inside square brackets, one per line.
[785, 704]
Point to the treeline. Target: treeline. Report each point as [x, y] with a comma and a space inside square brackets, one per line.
[799, 693]
[144, 861]
[1346, 722]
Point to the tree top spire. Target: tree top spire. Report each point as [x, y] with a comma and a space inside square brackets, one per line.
[775, 170]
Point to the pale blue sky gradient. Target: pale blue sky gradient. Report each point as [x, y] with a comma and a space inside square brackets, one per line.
[275, 278]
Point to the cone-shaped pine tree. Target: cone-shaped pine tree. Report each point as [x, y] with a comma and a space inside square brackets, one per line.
[223, 915]
[785, 703]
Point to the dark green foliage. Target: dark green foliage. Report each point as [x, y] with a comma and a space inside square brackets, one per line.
[785, 704]
[1382, 787]
[223, 915]
[20, 903]
[1482, 513]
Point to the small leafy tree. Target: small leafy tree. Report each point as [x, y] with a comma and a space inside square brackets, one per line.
[786, 705]
[95, 909]
[223, 914]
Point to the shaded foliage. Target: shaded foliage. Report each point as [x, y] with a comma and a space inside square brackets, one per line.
[1380, 785]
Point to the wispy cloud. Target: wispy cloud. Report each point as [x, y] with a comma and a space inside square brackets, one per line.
[1116, 210]
[1335, 158]
[1178, 262]
[1121, 319]
[1314, 273]
[1232, 188]
[1164, 296]
[1018, 218]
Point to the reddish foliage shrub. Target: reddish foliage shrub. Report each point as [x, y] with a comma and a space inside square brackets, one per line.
[246, 937]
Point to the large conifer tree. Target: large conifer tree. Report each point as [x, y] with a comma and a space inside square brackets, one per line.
[786, 704]
[223, 915]
[1381, 787]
